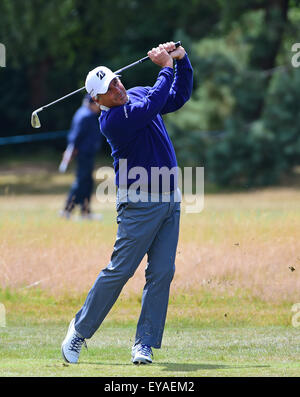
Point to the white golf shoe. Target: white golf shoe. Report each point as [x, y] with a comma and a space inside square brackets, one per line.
[65, 214]
[142, 354]
[72, 344]
[91, 217]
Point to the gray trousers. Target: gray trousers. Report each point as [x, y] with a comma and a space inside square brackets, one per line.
[150, 228]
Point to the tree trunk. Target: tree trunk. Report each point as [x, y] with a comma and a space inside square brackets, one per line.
[267, 45]
[38, 83]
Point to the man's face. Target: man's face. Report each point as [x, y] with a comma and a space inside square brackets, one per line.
[115, 96]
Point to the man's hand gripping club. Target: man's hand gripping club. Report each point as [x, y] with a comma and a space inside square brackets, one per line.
[164, 54]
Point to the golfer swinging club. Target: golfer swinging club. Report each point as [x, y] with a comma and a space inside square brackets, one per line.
[132, 123]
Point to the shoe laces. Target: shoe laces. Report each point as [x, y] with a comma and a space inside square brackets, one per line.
[76, 344]
[145, 350]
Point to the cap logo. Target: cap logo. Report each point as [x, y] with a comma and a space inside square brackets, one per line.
[100, 74]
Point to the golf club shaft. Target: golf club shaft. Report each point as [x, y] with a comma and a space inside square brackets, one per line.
[177, 44]
[60, 99]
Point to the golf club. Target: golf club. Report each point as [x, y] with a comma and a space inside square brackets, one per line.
[35, 121]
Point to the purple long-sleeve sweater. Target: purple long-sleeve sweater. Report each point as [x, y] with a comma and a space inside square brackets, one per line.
[136, 131]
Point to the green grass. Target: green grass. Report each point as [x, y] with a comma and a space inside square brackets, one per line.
[199, 340]
[231, 351]
[200, 308]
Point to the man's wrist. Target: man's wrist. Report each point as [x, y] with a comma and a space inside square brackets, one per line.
[182, 57]
[169, 64]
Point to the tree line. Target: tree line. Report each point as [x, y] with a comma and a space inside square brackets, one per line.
[243, 121]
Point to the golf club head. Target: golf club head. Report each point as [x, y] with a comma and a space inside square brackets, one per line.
[35, 121]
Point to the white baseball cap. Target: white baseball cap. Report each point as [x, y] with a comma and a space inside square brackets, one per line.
[98, 80]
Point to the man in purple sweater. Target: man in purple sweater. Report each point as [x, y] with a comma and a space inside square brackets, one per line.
[132, 123]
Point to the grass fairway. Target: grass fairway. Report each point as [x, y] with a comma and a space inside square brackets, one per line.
[225, 337]
[237, 277]
[230, 351]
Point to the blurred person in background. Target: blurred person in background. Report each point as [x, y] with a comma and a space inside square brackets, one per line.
[85, 141]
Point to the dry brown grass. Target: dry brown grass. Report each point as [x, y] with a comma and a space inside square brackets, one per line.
[240, 242]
